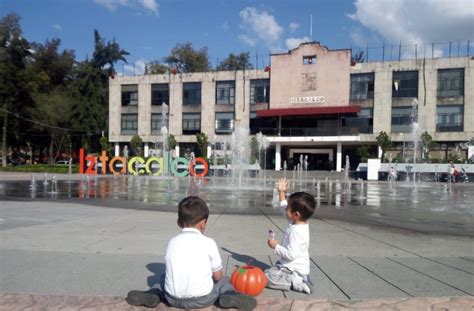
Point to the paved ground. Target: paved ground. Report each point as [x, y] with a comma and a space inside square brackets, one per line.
[54, 248]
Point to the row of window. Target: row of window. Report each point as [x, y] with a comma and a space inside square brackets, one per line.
[191, 123]
[225, 93]
[449, 118]
[405, 84]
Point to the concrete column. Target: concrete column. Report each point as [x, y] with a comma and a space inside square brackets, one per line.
[339, 157]
[209, 150]
[117, 149]
[379, 155]
[146, 150]
[176, 150]
[277, 157]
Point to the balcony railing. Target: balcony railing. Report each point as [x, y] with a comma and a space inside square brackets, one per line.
[326, 131]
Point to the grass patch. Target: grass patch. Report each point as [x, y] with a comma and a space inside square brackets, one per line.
[41, 168]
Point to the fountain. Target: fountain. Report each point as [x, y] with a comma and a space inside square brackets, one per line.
[263, 144]
[240, 147]
[164, 131]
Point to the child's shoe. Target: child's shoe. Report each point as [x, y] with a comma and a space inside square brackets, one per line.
[238, 301]
[148, 299]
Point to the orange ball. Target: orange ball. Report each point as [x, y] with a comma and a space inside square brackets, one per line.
[249, 280]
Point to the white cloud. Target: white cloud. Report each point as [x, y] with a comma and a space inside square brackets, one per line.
[137, 68]
[150, 6]
[247, 40]
[292, 43]
[225, 26]
[293, 27]
[421, 21]
[259, 26]
[112, 4]
[57, 27]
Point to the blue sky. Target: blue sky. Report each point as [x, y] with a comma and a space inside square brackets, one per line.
[148, 29]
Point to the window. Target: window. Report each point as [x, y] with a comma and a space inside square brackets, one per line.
[259, 91]
[160, 94]
[405, 84]
[129, 123]
[309, 60]
[449, 118]
[450, 82]
[157, 123]
[192, 93]
[402, 118]
[129, 95]
[362, 86]
[224, 122]
[225, 92]
[191, 123]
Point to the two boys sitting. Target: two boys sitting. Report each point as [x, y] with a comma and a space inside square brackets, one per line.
[194, 274]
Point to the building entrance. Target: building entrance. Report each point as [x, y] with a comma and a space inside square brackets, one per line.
[318, 159]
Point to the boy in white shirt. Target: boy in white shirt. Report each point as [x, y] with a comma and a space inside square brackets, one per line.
[193, 277]
[292, 270]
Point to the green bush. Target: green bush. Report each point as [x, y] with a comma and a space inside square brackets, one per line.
[41, 168]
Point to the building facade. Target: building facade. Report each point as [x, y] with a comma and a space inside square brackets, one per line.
[312, 102]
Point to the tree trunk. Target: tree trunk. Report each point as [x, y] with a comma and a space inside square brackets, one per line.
[51, 147]
[4, 142]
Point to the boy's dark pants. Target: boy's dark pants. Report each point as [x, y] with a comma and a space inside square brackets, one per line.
[221, 287]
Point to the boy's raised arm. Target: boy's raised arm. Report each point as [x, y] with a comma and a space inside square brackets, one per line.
[282, 187]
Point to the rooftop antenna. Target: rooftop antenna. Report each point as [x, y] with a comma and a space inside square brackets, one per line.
[311, 28]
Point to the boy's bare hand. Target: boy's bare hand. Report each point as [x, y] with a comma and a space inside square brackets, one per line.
[282, 185]
[272, 243]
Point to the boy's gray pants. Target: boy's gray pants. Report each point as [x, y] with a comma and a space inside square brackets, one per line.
[280, 277]
[221, 287]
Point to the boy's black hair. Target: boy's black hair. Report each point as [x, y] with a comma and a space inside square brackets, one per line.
[192, 210]
[302, 202]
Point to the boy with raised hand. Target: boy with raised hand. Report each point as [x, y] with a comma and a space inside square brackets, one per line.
[193, 277]
[292, 270]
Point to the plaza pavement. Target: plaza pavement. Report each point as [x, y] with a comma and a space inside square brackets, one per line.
[59, 255]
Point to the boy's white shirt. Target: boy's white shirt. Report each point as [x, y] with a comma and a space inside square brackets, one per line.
[191, 258]
[294, 248]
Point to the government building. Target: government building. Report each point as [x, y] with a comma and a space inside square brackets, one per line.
[311, 101]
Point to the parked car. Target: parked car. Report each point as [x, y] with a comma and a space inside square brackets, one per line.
[62, 162]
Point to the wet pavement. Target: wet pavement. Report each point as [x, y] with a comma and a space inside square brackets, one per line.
[70, 250]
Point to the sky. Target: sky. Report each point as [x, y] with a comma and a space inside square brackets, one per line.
[149, 29]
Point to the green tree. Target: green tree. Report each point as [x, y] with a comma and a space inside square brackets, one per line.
[172, 142]
[384, 142]
[185, 58]
[50, 68]
[253, 150]
[51, 122]
[236, 62]
[358, 57]
[426, 145]
[363, 152]
[91, 78]
[136, 145]
[14, 95]
[202, 142]
[156, 68]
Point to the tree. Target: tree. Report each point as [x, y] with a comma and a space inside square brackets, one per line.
[91, 78]
[384, 142]
[202, 142]
[426, 145]
[236, 62]
[106, 55]
[358, 57]
[14, 95]
[172, 142]
[136, 145]
[50, 68]
[185, 58]
[363, 152]
[156, 68]
[52, 122]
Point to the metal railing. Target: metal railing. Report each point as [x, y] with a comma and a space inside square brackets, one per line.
[323, 131]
